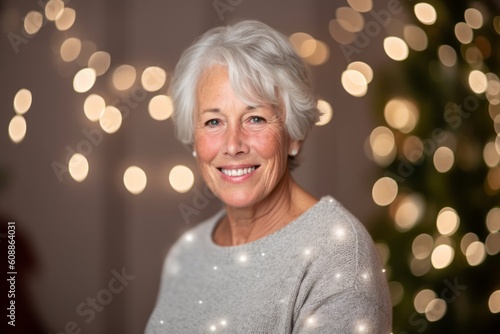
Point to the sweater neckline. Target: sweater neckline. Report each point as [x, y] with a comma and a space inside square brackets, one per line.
[289, 228]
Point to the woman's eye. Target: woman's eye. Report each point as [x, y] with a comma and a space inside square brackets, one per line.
[257, 119]
[212, 122]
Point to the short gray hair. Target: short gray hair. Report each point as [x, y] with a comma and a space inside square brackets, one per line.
[263, 69]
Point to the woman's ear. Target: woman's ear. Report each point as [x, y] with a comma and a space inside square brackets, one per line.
[294, 147]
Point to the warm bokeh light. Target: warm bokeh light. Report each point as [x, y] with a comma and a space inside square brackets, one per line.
[442, 256]
[492, 244]
[478, 81]
[383, 251]
[362, 6]
[110, 119]
[84, 80]
[413, 149]
[160, 107]
[70, 49]
[463, 33]
[475, 253]
[401, 114]
[181, 178]
[435, 310]
[350, 19]
[420, 267]
[339, 34]
[409, 210]
[93, 107]
[493, 178]
[422, 246]
[443, 159]
[100, 62]
[135, 180]
[362, 68]
[422, 299]
[396, 291]
[494, 302]
[384, 191]
[33, 22]
[383, 145]
[490, 155]
[304, 44]
[415, 37]
[66, 19]
[326, 112]
[320, 52]
[78, 167]
[425, 13]
[124, 77]
[473, 18]
[396, 48]
[22, 101]
[493, 94]
[473, 56]
[17, 128]
[54, 9]
[354, 82]
[153, 78]
[447, 55]
[447, 221]
[467, 240]
[493, 220]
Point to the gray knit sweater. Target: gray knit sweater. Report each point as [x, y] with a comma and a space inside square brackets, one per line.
[318, 274]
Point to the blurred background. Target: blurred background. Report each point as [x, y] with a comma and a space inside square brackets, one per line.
[99, 188]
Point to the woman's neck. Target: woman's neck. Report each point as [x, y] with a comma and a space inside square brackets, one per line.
[284, 204]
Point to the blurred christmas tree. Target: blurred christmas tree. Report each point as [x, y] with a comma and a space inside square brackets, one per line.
[439, 145]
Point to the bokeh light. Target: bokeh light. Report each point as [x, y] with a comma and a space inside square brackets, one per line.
[415, 37]
[100, 62]
[396, 291]
[422, 246]
[354, 82]
[78, 167]
[124, 77]
[153, 78]
[362, 6]
[493, 220]
[467, 240]
[383, 145]
[425, 13]
[478, 81]
[110, 119]
[494, 302]
[473, 18]
[54, 9]
[350, 19]
[447, 221]
[443, 159]
[17, 128]
[435, 310]
[181, 178]
[326, 112]
[401, 114]
[22, 101]
[384, 191]
[396, 48]
[93, 106]
[320, 54]
[422, 299]
[408, 211]
[492, 243]
[442, 256]
[135, 180]
[475, 253]
[413, 149]
[383, 251]
[362, 68]
[70, 49]
[66, 19]
[420, 267]
[447, 55]
[463, 33]
[490, 155]
[33, 22]
[339, 34]
[160, 107]
[84, 80]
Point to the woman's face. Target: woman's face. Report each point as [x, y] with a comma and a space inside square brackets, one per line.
[241, 150]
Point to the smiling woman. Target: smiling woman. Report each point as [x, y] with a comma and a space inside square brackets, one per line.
[276, 259]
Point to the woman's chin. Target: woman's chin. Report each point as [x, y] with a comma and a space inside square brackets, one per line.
[238, 199]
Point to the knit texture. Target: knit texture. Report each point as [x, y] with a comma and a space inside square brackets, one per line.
[319, 274]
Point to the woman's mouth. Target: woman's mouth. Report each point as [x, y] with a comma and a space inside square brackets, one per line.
[238, 171]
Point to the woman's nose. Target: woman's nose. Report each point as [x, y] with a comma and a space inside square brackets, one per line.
[235, 143]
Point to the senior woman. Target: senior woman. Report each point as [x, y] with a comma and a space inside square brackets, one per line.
[275, 259]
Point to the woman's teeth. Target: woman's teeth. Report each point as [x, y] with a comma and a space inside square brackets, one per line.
[237, 172]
